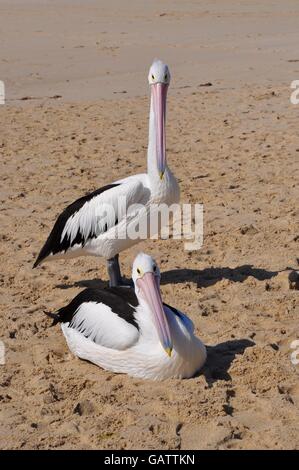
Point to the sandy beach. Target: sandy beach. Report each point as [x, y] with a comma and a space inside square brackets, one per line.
[76, 118]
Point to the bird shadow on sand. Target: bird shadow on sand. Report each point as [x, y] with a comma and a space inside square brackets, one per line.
[202, 278]
[89, 283]
[220, 358]
[210, 276]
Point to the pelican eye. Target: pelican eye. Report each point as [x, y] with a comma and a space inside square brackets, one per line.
[153, 77]
[138, 271]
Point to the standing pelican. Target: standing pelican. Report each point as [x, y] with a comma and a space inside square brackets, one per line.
[86, 227]
[132, 333]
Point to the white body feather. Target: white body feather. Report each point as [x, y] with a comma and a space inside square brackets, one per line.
[120, 347]
[136, 189]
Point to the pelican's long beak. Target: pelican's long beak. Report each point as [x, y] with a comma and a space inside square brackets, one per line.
[159, 91]
[149, 286]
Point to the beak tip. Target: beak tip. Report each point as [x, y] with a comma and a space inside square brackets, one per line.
[161, 175]
[168, 351]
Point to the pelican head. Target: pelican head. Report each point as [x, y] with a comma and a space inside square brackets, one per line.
[159, 79]
[146, 277]
[159, 73]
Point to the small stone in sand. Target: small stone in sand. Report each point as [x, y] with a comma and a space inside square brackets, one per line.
[294, 280]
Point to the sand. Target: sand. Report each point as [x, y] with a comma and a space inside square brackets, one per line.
[233, 146]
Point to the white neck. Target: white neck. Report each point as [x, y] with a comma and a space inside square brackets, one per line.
[179, 332]
[144, 318]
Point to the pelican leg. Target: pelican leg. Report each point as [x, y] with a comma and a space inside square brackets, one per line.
[115, 279]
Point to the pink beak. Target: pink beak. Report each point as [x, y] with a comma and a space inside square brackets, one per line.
[149, 286]
[159, 91]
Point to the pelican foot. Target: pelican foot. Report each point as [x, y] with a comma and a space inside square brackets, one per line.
[115, 278]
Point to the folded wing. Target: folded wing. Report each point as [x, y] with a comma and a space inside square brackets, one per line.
[103, 316]
[91, 216]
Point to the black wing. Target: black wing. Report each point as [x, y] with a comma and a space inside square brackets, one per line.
[54, 244]
[122, 302]
[184, 318]
[174, 310]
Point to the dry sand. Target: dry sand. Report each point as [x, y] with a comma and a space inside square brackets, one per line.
[234, 146]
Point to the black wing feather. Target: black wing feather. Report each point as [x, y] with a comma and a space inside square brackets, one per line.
[54, 244]
[174, 310]
[121, 301]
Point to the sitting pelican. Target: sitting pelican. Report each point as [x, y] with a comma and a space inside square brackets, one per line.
[86, 227]
[132, 333]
